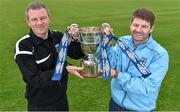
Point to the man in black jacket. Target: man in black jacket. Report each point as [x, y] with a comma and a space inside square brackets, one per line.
[36, 55]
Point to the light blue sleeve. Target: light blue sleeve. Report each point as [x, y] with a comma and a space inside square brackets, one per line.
[140, 85]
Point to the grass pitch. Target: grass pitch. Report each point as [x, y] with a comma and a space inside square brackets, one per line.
[88, 94]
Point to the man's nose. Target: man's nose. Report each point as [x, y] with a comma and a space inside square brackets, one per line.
[138, 29]
[39, 21]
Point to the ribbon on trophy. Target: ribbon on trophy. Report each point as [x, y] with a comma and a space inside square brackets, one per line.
[106, 68]
[130, 54]
[62, 53]
[133, 57]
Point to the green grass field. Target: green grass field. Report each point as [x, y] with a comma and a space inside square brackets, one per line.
[88, 94]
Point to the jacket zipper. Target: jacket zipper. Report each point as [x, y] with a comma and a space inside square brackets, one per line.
[126, 92]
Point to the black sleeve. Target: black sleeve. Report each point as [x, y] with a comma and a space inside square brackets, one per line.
[75, 51]
[30, 71]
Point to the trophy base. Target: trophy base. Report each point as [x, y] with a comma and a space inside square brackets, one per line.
[91, 75]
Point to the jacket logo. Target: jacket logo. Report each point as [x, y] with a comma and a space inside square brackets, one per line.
[143, 60]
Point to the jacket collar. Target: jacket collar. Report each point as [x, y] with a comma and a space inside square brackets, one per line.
[37, 40]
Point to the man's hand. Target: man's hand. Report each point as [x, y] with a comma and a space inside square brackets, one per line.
[114, 73]
[107, 28]
[73, 31]
[75, 70]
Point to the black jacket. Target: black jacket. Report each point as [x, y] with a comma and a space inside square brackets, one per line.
[36, 59]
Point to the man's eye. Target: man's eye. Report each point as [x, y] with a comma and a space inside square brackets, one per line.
[43, 18]
[135, 25]
[34, 19]
[145, 26]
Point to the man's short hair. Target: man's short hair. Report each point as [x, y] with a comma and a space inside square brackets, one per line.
[34, 6]
[144, 14]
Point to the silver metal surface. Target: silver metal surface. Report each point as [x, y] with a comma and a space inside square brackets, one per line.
[90, 64]
[89, 38]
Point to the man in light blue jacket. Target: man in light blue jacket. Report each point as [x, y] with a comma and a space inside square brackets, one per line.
[130, 88]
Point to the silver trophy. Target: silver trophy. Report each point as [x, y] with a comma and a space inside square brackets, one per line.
[89, 38]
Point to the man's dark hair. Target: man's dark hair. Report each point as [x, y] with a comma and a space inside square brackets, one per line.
[34, 6]
[144, 14]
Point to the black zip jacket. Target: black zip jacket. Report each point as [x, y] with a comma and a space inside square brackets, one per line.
[36, 59]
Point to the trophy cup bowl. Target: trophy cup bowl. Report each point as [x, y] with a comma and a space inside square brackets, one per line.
[89, 39]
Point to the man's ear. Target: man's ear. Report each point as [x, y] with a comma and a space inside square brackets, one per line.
[27, 21]
[152, 28]
[50, 18]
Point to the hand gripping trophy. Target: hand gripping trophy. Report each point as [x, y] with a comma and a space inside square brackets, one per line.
[95, 64]
[95, 38]
[91, 39]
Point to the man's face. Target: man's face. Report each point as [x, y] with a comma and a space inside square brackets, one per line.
[39, 21]
[140, 30]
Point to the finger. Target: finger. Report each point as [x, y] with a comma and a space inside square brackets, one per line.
[78, 68]
[74, 68]
[73, 30]
[74, 25]
[69, 67]
[107, 30]
[82, 66]
[77, 74]
[100, 76]
[114, 73]
[76, 38]
[100, 71]
[104, 25]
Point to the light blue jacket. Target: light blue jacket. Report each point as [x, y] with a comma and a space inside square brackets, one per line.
[130, 89]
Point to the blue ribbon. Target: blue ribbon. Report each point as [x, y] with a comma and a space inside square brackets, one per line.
[104, 57]
[64, 43]
[133, 57]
